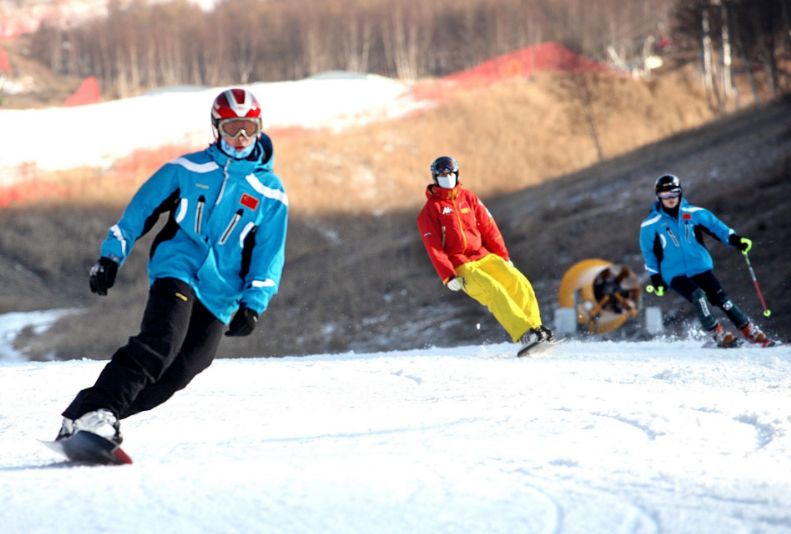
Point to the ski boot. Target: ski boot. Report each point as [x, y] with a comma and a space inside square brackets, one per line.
[723, 338]
[753, 334]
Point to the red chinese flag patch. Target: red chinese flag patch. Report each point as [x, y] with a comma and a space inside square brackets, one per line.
[687, 216]
[249, 201]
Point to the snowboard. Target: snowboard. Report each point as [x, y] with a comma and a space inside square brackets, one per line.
[89, 448]
[537, 348]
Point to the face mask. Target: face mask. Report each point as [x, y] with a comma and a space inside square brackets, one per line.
[236, 154]
[446, 181]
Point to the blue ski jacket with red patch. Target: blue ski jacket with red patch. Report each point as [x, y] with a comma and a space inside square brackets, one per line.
[226, 231]
[673, 246]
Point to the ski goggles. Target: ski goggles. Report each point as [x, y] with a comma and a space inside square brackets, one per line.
[233, 128]
[668, 194]
[444, 166]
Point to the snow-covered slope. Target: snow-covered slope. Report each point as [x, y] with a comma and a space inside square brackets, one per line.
[98, 134]
[598, 437]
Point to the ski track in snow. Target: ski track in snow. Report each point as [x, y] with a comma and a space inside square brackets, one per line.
[603, 437]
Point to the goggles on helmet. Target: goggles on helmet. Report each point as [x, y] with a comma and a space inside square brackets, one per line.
[445, 166]
[233, 128]
[669, 194]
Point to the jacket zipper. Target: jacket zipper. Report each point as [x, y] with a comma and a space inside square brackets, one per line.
[199, 213]
[224, 181]
[672, 236]
[461, 224]
[227, 233]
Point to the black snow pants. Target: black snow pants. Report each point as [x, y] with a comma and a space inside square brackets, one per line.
[178, 339]
[701, 287]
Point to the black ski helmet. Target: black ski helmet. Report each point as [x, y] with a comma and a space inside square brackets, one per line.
[668, 183]
[444, 164]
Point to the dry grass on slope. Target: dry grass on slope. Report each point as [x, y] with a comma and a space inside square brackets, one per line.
[506, 136]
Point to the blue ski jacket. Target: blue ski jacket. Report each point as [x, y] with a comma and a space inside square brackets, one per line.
[673, 246]
[226, 231]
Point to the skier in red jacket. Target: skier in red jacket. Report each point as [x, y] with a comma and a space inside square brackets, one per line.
[468, 252]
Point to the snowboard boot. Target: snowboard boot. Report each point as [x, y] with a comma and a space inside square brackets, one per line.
[545, 334]
[753, 334]
[102, 423]
[539, 334]
[723, 338]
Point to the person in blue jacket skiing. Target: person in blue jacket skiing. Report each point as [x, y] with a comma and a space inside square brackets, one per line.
[216, 262]
[671, 240]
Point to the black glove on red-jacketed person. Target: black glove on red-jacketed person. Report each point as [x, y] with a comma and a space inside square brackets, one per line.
[243, 322]
[102, 275]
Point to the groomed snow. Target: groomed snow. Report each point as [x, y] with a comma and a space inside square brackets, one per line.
[596, 438]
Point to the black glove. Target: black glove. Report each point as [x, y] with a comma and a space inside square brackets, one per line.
[658, 284]
[102, 275]
[243, 323]
[742, 243]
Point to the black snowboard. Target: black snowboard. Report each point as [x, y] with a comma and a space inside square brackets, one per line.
[89, 448]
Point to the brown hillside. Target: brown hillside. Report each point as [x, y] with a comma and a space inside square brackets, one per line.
[356, 274]
[509, 135]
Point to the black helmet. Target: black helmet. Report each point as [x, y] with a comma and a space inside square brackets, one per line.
[667, 183]
[444, 164]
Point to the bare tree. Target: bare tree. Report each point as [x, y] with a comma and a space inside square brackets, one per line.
[404, 44]
[586, 102]
[752, 32]
[357, 42]
[140, 45]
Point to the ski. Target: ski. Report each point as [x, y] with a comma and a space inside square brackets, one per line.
[714, 345]
[89, 448]
[742, 345]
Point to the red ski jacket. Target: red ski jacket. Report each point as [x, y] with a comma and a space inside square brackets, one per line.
[457, 228]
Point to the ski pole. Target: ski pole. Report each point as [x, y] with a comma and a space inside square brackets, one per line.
[767, 311]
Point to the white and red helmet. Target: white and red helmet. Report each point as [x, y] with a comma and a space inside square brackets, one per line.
[234, 104]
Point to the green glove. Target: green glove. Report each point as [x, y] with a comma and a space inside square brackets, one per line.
[742, 243]
[657, 285]
[658, 291]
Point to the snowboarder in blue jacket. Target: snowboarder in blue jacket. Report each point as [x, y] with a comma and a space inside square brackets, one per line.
[671, 240]
[216, 262]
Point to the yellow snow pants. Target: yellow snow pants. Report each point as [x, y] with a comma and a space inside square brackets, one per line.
[504, 290]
